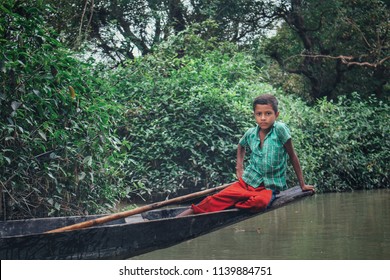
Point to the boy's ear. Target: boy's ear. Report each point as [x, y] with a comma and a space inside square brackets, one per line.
[277, 115]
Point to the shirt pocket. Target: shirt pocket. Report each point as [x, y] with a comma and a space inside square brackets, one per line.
[273, 157]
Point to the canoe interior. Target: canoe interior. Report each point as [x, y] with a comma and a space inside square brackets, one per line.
[40, 225]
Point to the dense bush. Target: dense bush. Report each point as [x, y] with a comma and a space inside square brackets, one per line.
[57, 144]
[343, 144]
[184, 118]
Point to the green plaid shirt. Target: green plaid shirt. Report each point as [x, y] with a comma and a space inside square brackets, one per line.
[268, 164]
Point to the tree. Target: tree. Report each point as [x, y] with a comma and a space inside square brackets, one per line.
[123, 29]
[334, 47]
[337, 46]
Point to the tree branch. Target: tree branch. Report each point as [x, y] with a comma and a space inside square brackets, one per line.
[348, 60]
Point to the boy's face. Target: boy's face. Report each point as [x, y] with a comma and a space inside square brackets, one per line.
[265, 116]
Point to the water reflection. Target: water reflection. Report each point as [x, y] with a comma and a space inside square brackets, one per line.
[346, 226]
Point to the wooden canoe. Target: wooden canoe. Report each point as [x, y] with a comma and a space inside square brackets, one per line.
[119, 239]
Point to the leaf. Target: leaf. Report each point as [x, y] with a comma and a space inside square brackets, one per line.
[7, 159]
[72, 92]
[88, 160]
[15, 105]
[81, 176]
[42, 134]
[52, 176]
[50, 201]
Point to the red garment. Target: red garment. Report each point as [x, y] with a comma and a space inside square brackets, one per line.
[240, 195]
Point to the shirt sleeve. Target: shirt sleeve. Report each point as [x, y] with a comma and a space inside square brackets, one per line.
[283, 132]
[244, 141]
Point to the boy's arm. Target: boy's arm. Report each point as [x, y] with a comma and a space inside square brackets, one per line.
[296, 165]
[240, 161]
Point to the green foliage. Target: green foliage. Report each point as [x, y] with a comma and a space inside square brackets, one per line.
[58, 152]
[342, 145]
[336, 47]
[185, 116]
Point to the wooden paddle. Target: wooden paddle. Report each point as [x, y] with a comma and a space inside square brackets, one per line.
[138, 210]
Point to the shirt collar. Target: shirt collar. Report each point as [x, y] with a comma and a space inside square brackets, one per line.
[258, 130]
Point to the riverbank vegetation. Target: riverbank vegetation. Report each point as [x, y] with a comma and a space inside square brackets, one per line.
[80, 133]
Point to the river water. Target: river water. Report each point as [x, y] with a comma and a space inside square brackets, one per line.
[331, 226]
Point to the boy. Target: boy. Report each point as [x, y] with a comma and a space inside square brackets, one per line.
[270, 143]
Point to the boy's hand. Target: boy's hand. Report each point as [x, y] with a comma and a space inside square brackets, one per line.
[307, 188]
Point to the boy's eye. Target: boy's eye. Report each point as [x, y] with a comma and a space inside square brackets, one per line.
[259, 114]
[267, 114]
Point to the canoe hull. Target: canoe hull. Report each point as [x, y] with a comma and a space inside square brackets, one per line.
[117, 241]
[121, 239]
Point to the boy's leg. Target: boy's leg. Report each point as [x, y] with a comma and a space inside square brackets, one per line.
[219, 201]
[237, 192]
[186, 212]
[259, 200]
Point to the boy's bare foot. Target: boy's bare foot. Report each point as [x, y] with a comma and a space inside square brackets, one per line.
[186, 212]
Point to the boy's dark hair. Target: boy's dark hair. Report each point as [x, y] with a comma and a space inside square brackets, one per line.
[265, 99]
